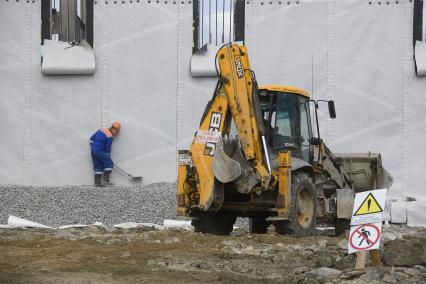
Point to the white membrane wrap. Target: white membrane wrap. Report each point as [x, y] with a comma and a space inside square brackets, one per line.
[16, 222]
[203, 61]
[356, 53]
[64, 58]
[51, 118]
[420, 56]
[360, 54]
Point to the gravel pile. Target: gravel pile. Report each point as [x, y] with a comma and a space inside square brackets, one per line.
[55, 206]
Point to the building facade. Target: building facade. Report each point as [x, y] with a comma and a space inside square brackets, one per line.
[357, 52]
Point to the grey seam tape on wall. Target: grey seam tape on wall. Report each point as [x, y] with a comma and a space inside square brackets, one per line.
[330, 64]
[27, 102]
[21, 1]
[265, 3]
[407, 61]
[105, 77]
[180, 82]
[129, 2]
[275, 2]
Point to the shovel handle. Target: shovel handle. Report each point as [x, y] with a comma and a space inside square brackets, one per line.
[121, 170]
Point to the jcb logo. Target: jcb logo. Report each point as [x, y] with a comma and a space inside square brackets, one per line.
[209, 149]
[239, 67]
[215, 121]
[214, 126]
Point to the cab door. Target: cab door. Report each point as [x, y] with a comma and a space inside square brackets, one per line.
[305, 131]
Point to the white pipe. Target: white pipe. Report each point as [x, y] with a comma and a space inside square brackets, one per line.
[177, 224]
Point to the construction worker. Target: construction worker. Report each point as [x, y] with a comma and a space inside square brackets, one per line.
[100, 144]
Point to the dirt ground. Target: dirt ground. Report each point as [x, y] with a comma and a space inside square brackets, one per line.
[142, 255]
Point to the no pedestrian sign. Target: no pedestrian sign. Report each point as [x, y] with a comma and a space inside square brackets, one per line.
[364, 237]
[369, 207]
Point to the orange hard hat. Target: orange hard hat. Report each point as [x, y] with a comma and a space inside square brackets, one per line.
[116, 125]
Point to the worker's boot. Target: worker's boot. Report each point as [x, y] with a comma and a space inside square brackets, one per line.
[107, 182]
[98, 180]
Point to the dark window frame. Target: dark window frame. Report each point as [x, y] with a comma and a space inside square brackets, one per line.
[46, 21]
[238, 23]
[418, 21]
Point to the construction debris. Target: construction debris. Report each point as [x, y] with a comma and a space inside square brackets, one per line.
[149, 248]
[120, 255]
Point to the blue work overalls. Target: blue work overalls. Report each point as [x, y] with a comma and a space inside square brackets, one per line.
[100, 144]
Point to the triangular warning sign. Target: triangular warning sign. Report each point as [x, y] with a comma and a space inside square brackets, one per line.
[369, 206]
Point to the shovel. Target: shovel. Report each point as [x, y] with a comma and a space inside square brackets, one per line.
[128, 174]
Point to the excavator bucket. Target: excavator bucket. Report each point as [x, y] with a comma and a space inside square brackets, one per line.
[366, 171]
[225, 169]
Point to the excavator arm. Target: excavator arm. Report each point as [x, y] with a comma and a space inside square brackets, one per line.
[240, 87]
[207, 167]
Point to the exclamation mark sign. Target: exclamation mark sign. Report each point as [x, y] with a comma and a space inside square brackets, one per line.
[369, 204]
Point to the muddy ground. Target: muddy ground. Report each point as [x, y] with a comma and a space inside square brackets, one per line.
[142, 255]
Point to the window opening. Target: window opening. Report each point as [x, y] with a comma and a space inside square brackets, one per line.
[290, 124]
[419, 21]
[67, 20]
[419, 37]
[217, 22]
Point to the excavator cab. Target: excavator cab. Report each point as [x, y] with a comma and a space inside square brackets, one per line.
[288, 122]
[286, 116]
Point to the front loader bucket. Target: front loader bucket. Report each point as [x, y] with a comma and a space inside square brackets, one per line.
[365, 171]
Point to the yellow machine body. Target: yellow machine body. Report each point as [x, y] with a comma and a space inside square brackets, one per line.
[221, 177]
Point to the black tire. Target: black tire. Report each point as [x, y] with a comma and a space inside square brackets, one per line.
[217, 223]
[341, 226]
[303, 208]
[258, 225]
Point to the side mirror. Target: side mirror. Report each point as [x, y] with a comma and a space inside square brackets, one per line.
[331, 109]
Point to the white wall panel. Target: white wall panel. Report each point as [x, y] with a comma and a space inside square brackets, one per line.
[367, 55]
[193, 92]
[286, 41]
[414, 136]
[13, 90]
[287, 45]
[363, 51]
[354, 52]
[139, 51]
[50, 118]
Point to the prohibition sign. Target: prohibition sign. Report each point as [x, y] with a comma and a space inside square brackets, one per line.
[360, 233]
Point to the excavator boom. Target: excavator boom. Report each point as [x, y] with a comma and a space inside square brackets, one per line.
[233, 100]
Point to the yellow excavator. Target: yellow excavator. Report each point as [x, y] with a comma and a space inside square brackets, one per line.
[255, 155]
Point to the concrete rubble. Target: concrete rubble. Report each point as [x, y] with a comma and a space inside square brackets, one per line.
[124, 231]
[144, 252]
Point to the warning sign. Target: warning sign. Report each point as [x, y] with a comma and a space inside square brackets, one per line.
[364, 237]
[368, 207]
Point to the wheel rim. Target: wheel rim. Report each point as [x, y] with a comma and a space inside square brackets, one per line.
[304, 208]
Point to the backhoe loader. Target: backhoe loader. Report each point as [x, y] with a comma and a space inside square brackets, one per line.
[274, 170]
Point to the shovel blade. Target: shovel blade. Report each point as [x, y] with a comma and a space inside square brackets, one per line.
[225, 169]
[136, 178]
